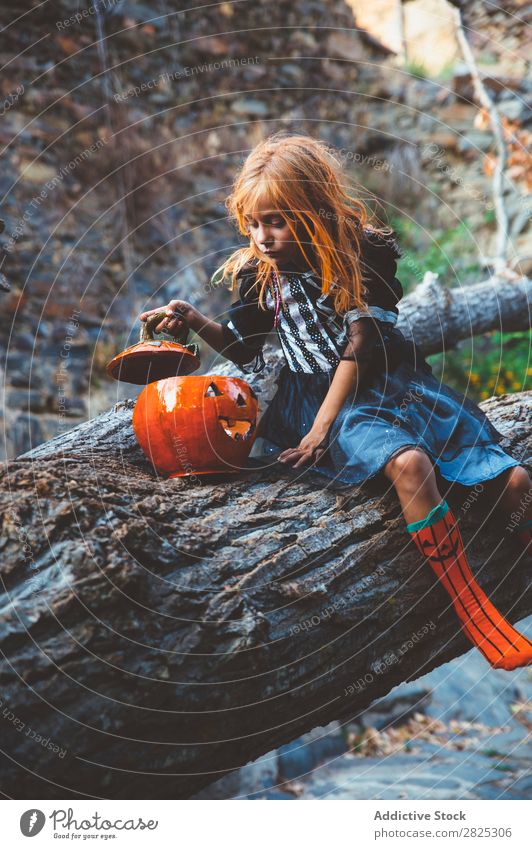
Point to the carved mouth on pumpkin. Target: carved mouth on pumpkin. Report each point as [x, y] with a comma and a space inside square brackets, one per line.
[237, 429]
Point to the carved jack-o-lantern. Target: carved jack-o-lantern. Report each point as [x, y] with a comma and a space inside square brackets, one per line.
[196, 425]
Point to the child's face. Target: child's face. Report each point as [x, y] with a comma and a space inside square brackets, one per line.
[272, 236]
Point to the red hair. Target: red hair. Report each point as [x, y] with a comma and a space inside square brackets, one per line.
[301, 178]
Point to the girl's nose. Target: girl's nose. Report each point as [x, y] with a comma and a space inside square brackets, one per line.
[263, 236]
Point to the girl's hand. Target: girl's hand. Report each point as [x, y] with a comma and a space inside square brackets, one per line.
[174, 323]
[309, 450]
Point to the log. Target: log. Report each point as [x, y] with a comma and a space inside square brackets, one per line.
[437, 317]
[157, 634]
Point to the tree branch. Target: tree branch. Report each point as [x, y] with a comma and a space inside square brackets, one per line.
[500, 261]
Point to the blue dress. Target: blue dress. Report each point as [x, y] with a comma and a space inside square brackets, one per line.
[398, 403]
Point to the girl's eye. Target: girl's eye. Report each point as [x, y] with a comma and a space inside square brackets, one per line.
[278, 222]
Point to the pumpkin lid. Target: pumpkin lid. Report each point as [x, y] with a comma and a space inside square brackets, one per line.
[154, 359]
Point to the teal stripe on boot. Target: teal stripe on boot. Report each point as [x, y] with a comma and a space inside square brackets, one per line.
[431, 518]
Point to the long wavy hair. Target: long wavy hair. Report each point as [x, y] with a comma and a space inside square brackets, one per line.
[302, 178]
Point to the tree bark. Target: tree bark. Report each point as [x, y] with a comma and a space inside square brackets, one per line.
[437, 317]
[157, 634]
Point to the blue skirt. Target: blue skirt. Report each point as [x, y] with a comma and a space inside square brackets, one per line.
[394, 407]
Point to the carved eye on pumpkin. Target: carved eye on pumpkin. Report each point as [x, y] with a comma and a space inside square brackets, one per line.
[213, 391]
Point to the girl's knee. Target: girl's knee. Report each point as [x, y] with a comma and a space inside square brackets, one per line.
[519, 481]
[515, 480]
[412, 464]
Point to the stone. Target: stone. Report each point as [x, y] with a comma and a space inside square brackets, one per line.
[32, 400]
[513, 109]
[475, 140]
[249, 106]
[37, 172]
[345, 45]
[20, 379]
[27, 433]
[295, 760]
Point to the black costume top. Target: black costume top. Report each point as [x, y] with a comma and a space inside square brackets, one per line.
[313, 336]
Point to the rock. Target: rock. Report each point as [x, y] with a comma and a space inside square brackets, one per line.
[70, 407]
[37, 172]
[396, 709]
[345, 45]
[432, 773]
[277, 795]
[520, 789]
[291, 73]
[20, 379]
[248, 106]
[450, 683]
[257, 777]
[299, 757]
[25, 340]
[215, 45]
[295, 760]
[475, 140]
[184, 284]
[524, 266]
[32, 399]
[27, 433]
[513, 109]
[304, 40]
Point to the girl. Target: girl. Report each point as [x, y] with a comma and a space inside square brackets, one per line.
[354, 398]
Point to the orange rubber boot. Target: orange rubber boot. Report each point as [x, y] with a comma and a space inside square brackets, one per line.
[438, 539]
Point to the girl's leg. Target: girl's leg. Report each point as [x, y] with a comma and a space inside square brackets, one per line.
[436, 534]
[510, 493]
[412, 474]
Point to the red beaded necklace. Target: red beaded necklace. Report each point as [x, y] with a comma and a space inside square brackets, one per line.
[277, 297]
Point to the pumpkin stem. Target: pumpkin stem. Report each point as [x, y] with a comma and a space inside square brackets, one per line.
[147, 328]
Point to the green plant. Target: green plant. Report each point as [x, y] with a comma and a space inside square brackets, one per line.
[449, 252]
[446, 72]
[417, 69]
[493, 364]
[487, 58]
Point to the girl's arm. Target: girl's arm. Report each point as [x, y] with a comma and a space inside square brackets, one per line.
[362, 334]
[209, 330]
[343, 384]
[239, 337]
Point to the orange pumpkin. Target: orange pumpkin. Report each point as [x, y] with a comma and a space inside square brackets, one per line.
[203, 424]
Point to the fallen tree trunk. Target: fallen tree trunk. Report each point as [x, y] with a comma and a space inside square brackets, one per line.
[157, 634]
[437, 317]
